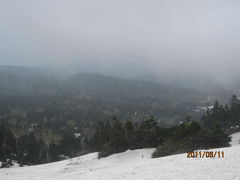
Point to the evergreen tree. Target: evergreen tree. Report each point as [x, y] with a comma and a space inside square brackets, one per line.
[69, 145]
[8, 145]
[129, 133]
[29, 149]
[147, 133]
[101, 135]
[117, 139]
[235, 109]
[234, 102]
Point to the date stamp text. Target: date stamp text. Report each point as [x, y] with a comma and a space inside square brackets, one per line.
[206, 154]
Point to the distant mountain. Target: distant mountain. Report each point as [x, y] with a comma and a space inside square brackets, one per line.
[31, 81]
[201, 83]
[45, 99]
[40, 81]
[26, 71]
[25, 81]
[90, 97]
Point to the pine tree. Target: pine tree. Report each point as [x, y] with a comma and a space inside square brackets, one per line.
[8, 145]
[129, 133]
[234, 102]
[29, 149]
[117, 136]
[235, 109]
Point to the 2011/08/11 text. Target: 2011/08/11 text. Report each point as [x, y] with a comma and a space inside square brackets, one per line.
[206, 154]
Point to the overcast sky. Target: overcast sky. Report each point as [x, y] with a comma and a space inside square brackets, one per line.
[140, 35]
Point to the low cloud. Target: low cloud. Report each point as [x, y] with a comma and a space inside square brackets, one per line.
[136, 36]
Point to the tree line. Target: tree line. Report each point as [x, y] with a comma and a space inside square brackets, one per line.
[114, 136]
[227, 116]
[31, 149]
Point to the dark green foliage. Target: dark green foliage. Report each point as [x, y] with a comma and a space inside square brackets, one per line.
[146, 135]
[128, 136]
[185, 137]
[24, 150]
[189, 137]
[109, 138]
[228, 117]
[117, 138]
[8, 145]
[129, 133]
[234, 103]
[69, 145]
[29, 149]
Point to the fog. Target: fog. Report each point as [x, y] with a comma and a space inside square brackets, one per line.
[132, 37]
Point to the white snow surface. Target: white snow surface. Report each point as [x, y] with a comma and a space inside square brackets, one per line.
[235, 139]
[135, 165]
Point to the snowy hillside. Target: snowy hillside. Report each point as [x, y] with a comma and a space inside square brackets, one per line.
[235, 139]
[135, 164]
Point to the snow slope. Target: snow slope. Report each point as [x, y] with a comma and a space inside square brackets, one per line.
[235, 139]
[135, 165]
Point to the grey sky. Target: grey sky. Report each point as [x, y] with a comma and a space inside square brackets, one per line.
[151, 35]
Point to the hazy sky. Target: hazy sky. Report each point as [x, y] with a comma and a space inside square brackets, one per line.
[124, 35]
